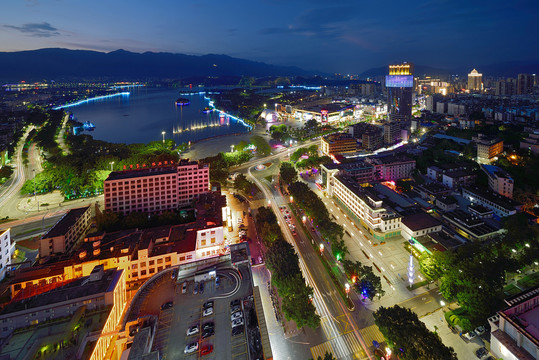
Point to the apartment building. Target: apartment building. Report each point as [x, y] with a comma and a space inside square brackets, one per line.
[393, 167]
[499, 180]
[513, 331]
[156, 189]
[101, 289]
[338, 143]
[6, 251]
[367, 207]
[66, 233]
[419, 224]
[487, 149]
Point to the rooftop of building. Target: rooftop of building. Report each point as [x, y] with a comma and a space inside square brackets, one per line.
[499, 200]
[459, 173]
[450, 166]
[526, 318]
[142, 172]
[470, 224]
[66, 222]
[447, 200]
[433, 188]
[356, 165]
[338, 137]
[420, 221]
[479, 209]
[390, 159]
[482, 139]
[495, 171]
[331, 108]
[79, 288]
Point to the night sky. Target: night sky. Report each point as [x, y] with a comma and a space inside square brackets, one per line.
[331, 36]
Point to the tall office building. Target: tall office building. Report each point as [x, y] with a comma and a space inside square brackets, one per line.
[475, 81]
[400, 87]
[525, 84]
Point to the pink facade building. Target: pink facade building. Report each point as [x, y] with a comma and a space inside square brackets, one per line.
[156, 189]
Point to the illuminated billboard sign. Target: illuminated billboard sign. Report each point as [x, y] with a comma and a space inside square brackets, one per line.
[399, 81]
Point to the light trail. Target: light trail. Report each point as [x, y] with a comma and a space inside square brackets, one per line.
[80, 102]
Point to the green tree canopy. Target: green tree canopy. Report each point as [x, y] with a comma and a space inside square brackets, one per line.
[409, 337]
[288, 172]
[262, 146]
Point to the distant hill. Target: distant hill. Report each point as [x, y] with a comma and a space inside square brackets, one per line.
[504, 69]
[63, 63]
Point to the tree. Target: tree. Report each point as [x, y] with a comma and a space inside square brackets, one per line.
[262, 146]
[241, 145]
[369, 284]
[282, 260]
[242, 184]
[409, 337]
[327, 356]
[430, 265]
[288, 172]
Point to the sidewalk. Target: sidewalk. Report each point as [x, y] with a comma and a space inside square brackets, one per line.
[436, 322]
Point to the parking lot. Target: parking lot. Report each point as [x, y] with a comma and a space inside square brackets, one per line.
[187, 311]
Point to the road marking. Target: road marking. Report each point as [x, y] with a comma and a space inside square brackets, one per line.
[371, 333]
[322, 349]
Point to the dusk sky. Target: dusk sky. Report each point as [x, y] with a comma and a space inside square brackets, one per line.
[347, 36]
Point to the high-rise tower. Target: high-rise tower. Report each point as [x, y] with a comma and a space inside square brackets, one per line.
[475, 81]
[400, 87]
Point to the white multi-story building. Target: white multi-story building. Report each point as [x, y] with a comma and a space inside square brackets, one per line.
[416, 225]
[156, 189]
[6, 251]
[381, 221]
[391, 168]
[499, 180]
[514, 331]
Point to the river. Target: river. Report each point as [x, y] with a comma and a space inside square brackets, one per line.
[142, 116]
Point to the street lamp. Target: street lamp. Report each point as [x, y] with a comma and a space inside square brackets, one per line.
[442, 303]
[321, 249]
[304, 218]
[232, 148]
[347, 288]
[291, 198]
[111, 163]
[163, 133]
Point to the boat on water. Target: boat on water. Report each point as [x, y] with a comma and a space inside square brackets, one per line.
[182, 101]
[207, 109]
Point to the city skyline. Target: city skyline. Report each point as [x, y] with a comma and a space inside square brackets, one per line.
[312, 35]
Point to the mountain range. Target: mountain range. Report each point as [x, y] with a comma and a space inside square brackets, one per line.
[54, 63]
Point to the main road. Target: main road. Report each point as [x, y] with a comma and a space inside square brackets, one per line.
[339, 324]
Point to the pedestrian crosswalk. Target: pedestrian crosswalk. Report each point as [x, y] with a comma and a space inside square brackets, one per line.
[370, 334]
[346, 346]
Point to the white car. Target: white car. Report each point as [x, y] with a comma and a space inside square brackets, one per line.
[192, 347]
[192, 330]
[207, 312]
[236, 315]
[184, 287]
[237, 322]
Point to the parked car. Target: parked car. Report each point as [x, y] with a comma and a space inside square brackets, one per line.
[236, 315]
[207, 304]
[192, 330]
[237, 330]
[217, 281]
[192, 347]
[480, 330]
[206, 350]
[482, 351]
[195, 289]
[167, 305]
[235, 308]
[470, 336]
[184, 287]
[207, 312]
[202, 287]
[234, 303]
[207, 333]
[237, 322]
[209, 325]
